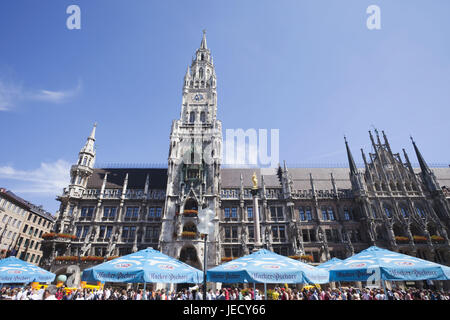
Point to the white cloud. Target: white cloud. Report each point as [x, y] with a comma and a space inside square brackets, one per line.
[11, 94]
[49, 178]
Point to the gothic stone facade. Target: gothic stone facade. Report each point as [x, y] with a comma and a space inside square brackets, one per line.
[313, 213]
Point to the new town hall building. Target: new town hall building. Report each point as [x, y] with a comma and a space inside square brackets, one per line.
[312, 214]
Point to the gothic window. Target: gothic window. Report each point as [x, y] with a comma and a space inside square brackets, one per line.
[226, 212]
[251, 233]
[324, 213]
[78, 232]
[200, 72]
[276, 213]
[231, 233]
[101, 233]
[85, 231]
[109, 212]
[250, 213]
[132, 213]
[308, 214]
[278, 233]
[420, 211]
[388, 211]
[108, 232]
[87, 212]
[192, 117]
[347, 214]
[234, 213]
[328, 235]
[84, 161]
[301, 213]
[404, 211]
[331, 213]
[305, 235]
[202, 117]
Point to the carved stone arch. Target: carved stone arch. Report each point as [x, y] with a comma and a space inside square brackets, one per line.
[416, 230]
[377, 186]
[393, 186]
[381, 232]
[399, 229]
[433, 228]
[189, 255]
[190, 227]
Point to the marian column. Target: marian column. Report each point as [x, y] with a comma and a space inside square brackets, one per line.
[254, 191]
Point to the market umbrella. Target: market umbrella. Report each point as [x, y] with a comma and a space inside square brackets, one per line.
[265, 266]
[380, 264]
[328, 264]
[143, 266]
[14, 270]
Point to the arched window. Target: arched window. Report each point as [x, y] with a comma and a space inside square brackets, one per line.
[404, 211]
[84, 161]
[374, 212]
[330, 213]
[200, 72]
[324, 213]
[347, 215]
[420, 211]
[192, 117]
[202, 117]
[388, 211]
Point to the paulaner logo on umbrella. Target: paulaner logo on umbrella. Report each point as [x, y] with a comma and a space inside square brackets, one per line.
[166, 267]
[357, 265]
[14, 271]
[404, 263]
[232, 267]
[271, 266]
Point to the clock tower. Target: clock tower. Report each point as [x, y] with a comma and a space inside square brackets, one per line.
[193, 176]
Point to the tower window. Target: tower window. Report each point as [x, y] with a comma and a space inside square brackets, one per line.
[202, 117]
[192, 117]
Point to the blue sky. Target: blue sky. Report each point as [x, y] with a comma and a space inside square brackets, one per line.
[311, 69]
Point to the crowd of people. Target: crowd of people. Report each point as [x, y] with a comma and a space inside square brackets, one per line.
[278, 293]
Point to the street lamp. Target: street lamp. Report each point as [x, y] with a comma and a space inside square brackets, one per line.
[205, 227]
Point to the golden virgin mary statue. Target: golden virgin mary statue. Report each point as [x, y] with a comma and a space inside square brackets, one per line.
[255, 181]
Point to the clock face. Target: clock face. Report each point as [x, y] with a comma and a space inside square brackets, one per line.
[197, 97]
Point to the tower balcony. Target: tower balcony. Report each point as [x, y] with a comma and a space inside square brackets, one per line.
[189, 235]
[190, 213]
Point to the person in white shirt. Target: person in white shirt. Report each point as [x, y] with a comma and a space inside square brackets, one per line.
[107, 294]
[49, 293]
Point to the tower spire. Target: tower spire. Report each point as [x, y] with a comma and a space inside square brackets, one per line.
[427, 175]
[203, 44]
[351, 162]
[423, 165]
[89, 146]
